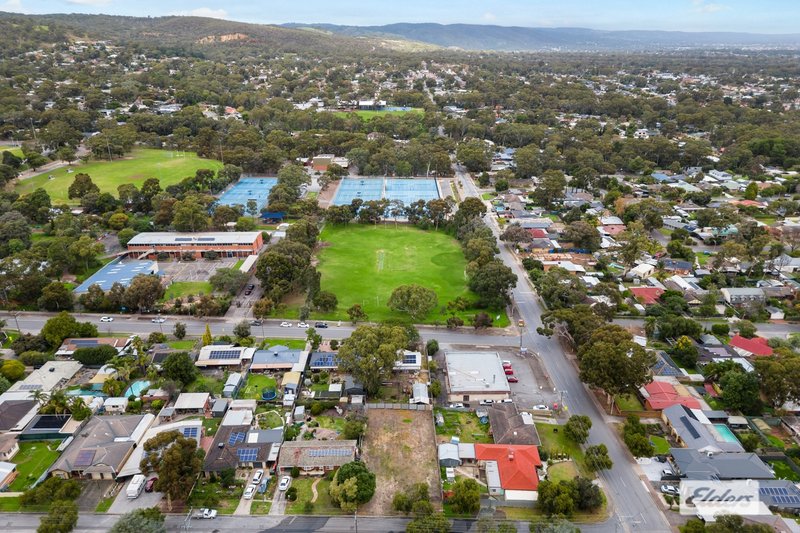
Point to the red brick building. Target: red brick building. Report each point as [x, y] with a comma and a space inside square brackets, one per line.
[226, 244]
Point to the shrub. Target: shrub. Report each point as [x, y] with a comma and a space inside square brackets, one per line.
[156, 338]
[295, 472]
[720, 329]
[12, 370]
[35, 359]
[291, 494]
[317, 408]
[432, 346]
[96, 356]
[308, 507]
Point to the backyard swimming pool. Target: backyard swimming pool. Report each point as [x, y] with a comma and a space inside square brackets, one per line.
[136, 388]
[726, 433]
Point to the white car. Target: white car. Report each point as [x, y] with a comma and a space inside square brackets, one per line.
[206, 514]
[302, 325]
[286, 324]
[106, 319]
[456, 406]
[540, 407]
[285, 482]
[257, 477]
[249, 491]
[158, 320]
[486, 402]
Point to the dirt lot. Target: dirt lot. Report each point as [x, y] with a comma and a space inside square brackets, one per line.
[399, 446]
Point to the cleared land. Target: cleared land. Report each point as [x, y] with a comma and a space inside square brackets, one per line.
[181, 289]
[369, 115]
[399, 447]
[363, 264]
[169, 167]
[466, 426]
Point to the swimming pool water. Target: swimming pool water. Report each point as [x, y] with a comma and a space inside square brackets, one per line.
[726, 433]
[136, 388]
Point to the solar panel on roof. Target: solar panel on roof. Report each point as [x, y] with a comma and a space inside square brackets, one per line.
[51, 422]
[247, 455]
[190, 433]
[224, 354]
[206, 239]
[236, 437]
[409, 359]
[30, 386]
[690, 428]
[183, 239]
[84, 458]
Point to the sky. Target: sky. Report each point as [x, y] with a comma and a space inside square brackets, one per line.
[755, 16]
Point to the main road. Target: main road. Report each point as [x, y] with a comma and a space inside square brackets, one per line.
[633, 505]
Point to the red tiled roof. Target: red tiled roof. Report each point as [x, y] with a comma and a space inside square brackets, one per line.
[613, 229]
[663, 395]
[516, 463]
[648, 295]
[756, 345]
[711, 390]
[537, 233]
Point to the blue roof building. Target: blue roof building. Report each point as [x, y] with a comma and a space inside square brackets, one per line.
[118, 271]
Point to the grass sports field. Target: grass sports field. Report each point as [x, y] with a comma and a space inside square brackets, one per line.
[368, 115]
[364, 264]
[169, 167]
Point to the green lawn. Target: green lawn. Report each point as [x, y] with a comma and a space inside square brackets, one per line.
[628, 402]
[776, 442]
[331, 422]
[14, 151]
[556, 442]
[255, 384]
[181, 289]
[206, 384]
[270, 420]
[182, 345]
[660, 444]
[259, 506]
[211, 426]
[293, 344]
[322, 506]
[207, 494]
[32, 460]
[363, 264]
[369, 115]
[562, 471]
[134, 168]
[9, 505]
[783, 471]
[104, 505]
[238, 264]
[702, 258]
[465, 426]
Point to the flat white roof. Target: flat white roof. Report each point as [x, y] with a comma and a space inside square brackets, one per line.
[169, 237]
[476, 372]
[47, 377]
[192, 400]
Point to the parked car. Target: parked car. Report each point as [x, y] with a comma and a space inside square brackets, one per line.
[250, 287]
[106, 319]
[286, 324]
[506, 400]
[670, 489]
[150, 484]
[456, 406]
[512, 379]
[540, 407]
[248, 292]
[285, 482]
[320, 325]
[255, 322]
[158, 320]
[509, 371]
[207, 514]
[667, 472]
[257, 477]
[302, 325]
[249, 491]
[486, 402]
[506, 362]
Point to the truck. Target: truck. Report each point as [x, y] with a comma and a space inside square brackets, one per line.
[135, 487]
[206, 514]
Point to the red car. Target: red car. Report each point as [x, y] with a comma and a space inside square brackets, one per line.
[512, 379]
[509, 371]
[149, 485]
[506, 365]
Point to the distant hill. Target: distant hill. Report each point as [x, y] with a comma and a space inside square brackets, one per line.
[512, 38]
[198, 33]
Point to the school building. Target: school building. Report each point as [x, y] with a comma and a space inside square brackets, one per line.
[230, 244]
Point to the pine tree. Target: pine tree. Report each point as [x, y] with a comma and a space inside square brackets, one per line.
[207, 338]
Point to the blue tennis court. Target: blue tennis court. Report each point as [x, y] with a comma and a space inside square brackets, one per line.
[246, 189]
[409, 191]
[405, 190]
[364, 188]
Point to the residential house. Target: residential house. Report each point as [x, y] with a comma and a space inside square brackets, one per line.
[102, 447]
[676, 266]
[9, 446]
[241, 446]
[647, 295]
[190, 429]
[510, 470]
[719, 466]
[319, 361]
[116, 406]
[510, 426]
[315, 457]
[692, 429]
[215, 355]
[193, 403]
[742, 295]
[757, 346]
[448, 455]
[659, 395]
[8, 472]
[69, 346]
[279, 357]
[775, 313]
[408, 361]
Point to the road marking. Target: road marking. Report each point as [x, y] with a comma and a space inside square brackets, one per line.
[482, 346]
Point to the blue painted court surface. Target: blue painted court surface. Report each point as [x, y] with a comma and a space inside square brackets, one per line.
[405, 190]
[120, 271]
[246, 189]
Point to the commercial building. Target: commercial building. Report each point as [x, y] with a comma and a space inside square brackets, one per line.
[475, 376]
[225, 244]
[120, 271]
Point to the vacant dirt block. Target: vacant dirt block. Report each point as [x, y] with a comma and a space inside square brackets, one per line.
[400, 447]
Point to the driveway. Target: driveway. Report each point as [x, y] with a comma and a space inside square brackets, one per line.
[122, 504]
[91, 493]
[278, 503]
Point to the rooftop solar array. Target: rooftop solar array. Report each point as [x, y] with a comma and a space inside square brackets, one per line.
[84, 458]
[51, 422]
[794, 500]
[325, 360]
[330, 452]
[190, 433]
[410, 359]
[773, 491]
[690, 428]
[236, 437]
[224, 354]
[30, 386]
[246, 189]
[247, 455]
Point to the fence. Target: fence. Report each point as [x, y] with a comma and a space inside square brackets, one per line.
[399, 406]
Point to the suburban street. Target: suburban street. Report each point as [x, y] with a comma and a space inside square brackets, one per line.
[632, 504]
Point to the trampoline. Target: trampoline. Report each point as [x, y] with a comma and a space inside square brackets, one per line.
[269, 393]
[248, 189]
